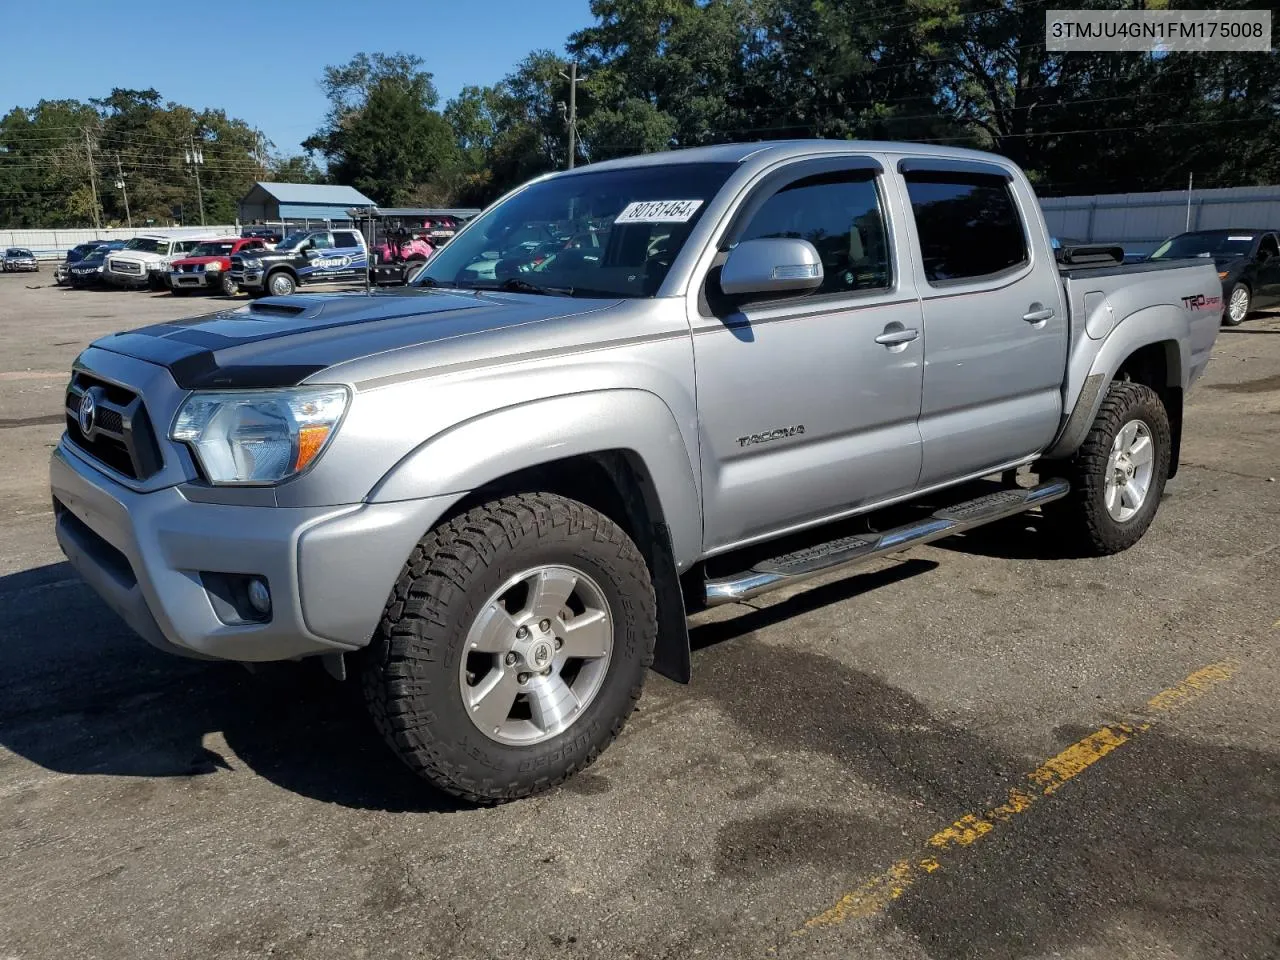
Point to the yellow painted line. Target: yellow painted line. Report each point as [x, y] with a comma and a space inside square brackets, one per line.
[875, 894]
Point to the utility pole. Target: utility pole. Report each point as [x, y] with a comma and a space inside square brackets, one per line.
[195, 159]
[120, 185]
[93, 179]
[572, 119]
[1191, 178]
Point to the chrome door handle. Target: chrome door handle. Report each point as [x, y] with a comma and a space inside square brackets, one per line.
[895, 337]
[1035, 316]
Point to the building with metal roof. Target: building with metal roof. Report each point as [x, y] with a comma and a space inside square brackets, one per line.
[300, 202]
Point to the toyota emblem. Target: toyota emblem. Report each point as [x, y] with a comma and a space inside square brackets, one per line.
[88, 409]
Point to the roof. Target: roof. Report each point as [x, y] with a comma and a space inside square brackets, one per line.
[780, 149]
[312, 193]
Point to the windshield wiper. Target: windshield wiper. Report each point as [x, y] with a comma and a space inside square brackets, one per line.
[517, 285]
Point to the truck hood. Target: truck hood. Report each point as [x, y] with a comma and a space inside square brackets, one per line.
[200, 261]
[280, 341]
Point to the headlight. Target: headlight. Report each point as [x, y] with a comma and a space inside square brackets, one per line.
[259, 436]
[213, 266]
[253, 263]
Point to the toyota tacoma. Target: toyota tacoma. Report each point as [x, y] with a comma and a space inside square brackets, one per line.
[622, 393]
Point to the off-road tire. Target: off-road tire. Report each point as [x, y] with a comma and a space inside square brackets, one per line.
[228, 287]
[1080, 521]
[411, 668]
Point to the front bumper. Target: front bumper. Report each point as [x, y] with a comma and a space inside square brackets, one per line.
[248, 279]
[197, 280]
[329, 569]
[21, 266]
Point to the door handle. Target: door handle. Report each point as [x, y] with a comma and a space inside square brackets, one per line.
[892, 338]
[1038, 314]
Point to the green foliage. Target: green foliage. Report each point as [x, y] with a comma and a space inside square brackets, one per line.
[383, 135]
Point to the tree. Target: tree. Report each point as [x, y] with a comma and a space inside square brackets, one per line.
[382, 134]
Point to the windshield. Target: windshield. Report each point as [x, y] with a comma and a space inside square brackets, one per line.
[144, 244]
[612, 233]
[18, 252]
[212, 249]
[291, 241]
[1215, 243]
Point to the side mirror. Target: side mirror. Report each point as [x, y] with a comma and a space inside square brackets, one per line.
[310, 251]
[771, 265]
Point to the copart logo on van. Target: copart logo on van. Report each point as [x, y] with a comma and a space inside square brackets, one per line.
[781, 433]
[331, 263]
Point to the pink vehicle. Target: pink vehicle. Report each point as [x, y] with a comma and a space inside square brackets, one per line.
[397, 250]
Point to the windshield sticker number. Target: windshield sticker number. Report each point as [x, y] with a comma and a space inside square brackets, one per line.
[658, 211]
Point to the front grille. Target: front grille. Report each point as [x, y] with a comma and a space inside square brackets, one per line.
[237, 263]
[126, 266]
[121, 435]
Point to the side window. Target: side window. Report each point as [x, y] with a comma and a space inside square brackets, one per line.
[345, 239]
[969, 225]
[322, 241]
[841, 215]
[1268, 248]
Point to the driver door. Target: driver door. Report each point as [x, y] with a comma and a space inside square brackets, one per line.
[808, 404]
[1268, 292]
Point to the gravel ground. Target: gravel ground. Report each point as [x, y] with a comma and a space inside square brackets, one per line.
[782, 804]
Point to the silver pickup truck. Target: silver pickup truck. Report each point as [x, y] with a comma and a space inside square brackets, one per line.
[621, 393]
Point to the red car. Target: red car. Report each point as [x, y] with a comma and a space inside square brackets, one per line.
[208, 265]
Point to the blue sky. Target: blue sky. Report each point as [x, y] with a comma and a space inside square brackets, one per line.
[261, 61]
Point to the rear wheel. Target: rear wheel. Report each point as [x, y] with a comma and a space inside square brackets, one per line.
[1238, 304]
[513, 648]
[1118, 474]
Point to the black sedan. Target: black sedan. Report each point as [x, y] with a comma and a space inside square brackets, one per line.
[18, 259]
[1248, 263]
[87, 272]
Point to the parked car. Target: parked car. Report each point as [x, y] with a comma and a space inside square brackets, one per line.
[498, 498]
[271, 235]
[398, 257]
[89, 270]
[145, 260]
[310, 256]
[62, 272]
[1248, 263]
[19, 260]
[208, 265]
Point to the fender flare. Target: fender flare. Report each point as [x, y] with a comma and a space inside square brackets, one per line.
[1163, 323]
[500, 442]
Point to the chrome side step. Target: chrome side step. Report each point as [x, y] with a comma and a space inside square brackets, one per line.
[801, 565]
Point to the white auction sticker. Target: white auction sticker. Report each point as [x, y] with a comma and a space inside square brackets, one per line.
[658, 211]
[1239, 238]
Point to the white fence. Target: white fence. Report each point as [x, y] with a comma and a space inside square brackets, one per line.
[54, 244]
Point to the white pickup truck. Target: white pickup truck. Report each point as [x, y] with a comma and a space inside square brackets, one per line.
[145, 260]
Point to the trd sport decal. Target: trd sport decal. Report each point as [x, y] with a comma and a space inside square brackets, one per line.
[779, 434]
[1201, 302]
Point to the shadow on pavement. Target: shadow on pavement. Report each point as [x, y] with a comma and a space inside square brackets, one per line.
[1167, 847]
[81, 694]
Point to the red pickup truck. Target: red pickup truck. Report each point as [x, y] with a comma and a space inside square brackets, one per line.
[209, 264]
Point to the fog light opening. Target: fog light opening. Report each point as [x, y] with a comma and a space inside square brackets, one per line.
[259, 596]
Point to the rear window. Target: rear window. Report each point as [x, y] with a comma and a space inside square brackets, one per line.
[968, 224]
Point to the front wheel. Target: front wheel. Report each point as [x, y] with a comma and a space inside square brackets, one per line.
[513, 647]
[229, 287]
[1118, 474]
[1238, 304]
[281, 283]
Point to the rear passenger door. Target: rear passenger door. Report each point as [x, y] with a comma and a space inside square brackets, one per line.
[348, 248]
[995, 325]
[1268, 274]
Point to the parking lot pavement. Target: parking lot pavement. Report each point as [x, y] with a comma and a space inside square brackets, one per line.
[973, 751]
